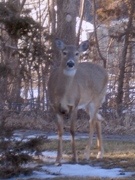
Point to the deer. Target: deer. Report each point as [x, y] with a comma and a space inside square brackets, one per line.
[75, 85]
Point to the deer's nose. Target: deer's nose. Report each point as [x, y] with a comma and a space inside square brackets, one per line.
[70, 63]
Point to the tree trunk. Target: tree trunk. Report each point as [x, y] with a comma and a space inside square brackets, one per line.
[119, 99]
[66, 20]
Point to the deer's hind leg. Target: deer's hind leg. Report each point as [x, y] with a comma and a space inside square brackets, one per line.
[99, 137]
[92, 110]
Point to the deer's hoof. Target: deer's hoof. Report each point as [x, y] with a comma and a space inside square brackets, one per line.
[57, 163]
[87, 154]
[100, 155]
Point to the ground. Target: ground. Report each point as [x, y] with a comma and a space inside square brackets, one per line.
[119, 143]
[119, 153]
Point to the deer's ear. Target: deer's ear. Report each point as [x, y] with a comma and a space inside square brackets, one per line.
[59, 44]
[84, 46]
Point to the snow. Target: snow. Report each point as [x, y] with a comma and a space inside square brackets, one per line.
[49, 170]
[67, 137]
[79, 170]
[75, 170]
[31, 92]
[87, 27]
[49, 154]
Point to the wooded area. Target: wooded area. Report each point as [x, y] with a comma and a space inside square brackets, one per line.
[27, 51]
[28, 29]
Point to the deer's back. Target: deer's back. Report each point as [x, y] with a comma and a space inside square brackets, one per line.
[91, 76]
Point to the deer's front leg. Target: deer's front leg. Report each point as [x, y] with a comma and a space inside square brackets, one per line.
[60, 133]
[72, 131]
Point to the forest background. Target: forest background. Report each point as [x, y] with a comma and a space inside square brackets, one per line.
[28, 29]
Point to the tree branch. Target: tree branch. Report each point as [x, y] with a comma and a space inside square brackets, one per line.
[95, 34]
[81, 19]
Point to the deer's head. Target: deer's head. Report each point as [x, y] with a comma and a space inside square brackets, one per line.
[70, 55]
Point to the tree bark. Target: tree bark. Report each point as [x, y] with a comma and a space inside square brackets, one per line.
[119, 99]
[66, 20]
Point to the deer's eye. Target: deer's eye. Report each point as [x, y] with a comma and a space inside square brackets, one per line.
[77, 53]
[64, 53]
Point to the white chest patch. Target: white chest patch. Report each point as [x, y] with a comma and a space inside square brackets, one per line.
[70, 72]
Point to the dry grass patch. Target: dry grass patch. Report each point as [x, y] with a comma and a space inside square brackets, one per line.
[117, 153]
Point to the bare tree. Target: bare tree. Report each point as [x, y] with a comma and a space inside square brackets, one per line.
[127, 36]
[66, 20]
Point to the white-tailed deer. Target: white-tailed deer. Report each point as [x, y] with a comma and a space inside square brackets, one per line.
[74, 86]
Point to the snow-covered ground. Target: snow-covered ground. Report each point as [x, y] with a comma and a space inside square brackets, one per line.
[49, 170]
[76, 170]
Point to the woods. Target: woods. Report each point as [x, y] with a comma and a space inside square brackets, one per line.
[28, 30]
[28, 53]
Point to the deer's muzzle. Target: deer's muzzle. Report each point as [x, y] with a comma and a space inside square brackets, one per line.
[70, 64]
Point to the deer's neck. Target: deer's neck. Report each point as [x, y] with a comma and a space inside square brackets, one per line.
[69, 73]
[66, 79]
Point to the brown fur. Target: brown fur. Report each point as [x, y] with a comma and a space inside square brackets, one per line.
[84, 89]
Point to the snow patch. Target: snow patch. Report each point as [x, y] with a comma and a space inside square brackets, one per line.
[79, 170]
